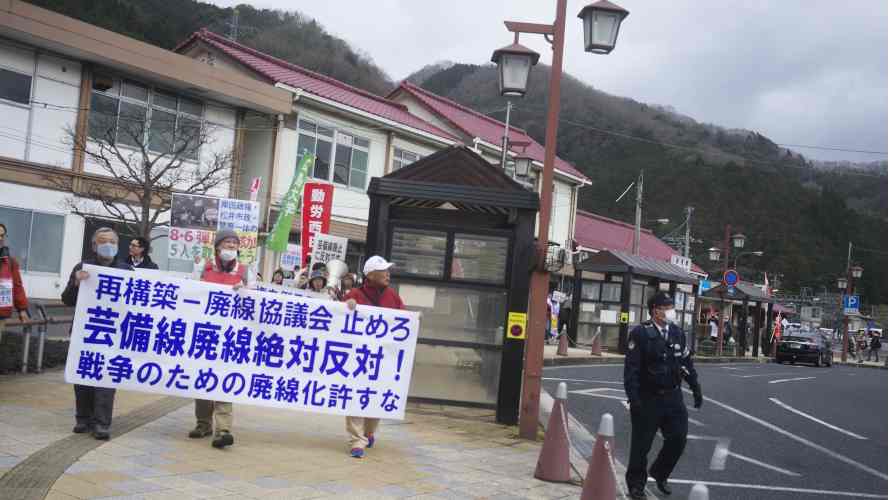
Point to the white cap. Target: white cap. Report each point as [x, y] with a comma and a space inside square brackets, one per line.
[376, 263]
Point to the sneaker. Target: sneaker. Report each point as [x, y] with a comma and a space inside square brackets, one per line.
[223, 439]
[370, 439]
[200, 431]
[100, 432]
[80, 428]
[357, 453]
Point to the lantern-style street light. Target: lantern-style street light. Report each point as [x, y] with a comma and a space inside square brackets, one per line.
[714, 254]
[856, 272]
[841, 282]
[601, 21]
[522, 165]
[739, 240]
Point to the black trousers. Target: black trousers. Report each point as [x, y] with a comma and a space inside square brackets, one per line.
[666, 412]
[94, 405]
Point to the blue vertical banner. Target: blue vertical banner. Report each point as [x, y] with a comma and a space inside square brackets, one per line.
[148, 332]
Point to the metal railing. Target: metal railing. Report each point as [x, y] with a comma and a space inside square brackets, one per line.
[42, 321]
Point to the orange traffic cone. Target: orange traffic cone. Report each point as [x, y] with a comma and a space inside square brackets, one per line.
[600, 482]
[562, 344]
[554, 462]
[596, 345]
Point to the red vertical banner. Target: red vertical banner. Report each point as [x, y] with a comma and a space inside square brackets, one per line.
[317, 205]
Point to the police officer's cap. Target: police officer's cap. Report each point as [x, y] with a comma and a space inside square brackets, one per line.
[660, 299]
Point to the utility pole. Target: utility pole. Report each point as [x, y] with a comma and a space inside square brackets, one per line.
[506, 135]
[687, 245]
[636, 241]
[233, 25]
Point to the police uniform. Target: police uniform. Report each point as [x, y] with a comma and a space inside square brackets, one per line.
[657, 358]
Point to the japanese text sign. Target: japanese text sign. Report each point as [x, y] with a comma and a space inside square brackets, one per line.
[186, 338]
[316, 208]
[194, 221]
[328, 247]
[291, 258]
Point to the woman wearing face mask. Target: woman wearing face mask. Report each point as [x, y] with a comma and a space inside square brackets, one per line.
[94, 405]
[12, 292]
[224, 270]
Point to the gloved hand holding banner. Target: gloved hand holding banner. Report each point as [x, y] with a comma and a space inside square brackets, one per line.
[151, 333]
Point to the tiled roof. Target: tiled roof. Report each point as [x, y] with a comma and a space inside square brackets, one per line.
[280, 71]
[602, 233]
[482, 126]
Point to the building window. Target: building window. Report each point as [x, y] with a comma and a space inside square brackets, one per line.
[349, 159]
[132, 114]
[15, 87]
[28, 232]
[402, 158]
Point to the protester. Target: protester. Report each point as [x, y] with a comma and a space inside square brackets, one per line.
[875, 345]
[346, 284]
[278, 277]
[139, 254]
[318, 282]
[94, 405]
[224, 270]
[375, 291]
[12, 292]
[713, 328]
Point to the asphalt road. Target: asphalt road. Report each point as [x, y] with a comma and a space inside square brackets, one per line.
[766, 431]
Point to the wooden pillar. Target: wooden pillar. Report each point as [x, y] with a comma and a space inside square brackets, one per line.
[512, 365]
[766, 340]
[625, 299]
[574, 323]
[742, 326]
[758, 330]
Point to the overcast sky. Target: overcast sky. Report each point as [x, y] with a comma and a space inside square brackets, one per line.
[799, 71]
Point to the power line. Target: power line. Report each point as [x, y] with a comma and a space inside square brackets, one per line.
[828, 148]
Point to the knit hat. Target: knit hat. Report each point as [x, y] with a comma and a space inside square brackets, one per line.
[224, 234]
[319, 274]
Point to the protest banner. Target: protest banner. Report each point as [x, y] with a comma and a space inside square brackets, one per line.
[316, 209]
[291, 258]
[328, 247]
[280, 233]
[195, 219]
[186, 338]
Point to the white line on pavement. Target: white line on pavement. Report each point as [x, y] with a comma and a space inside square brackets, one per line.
[730, 368]
[809, 417]
[778, 488]
[823, 449]
[583, 380]
[790, 380]
[696, 422]
[759, 375]
[618, 363]
[762, 464]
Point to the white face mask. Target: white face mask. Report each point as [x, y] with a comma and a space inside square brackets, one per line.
[107, 250]
[227, 255]
[670, 315]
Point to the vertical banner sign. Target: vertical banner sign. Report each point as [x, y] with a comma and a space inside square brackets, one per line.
[152, 333]
[292, 257]
[254, 188]
[328, 247]
[316, 208]
[195, 219]
[280, 234]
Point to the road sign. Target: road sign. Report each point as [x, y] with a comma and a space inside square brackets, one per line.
[624, 317]
[731, 277]
[851, 303]
[517, 326]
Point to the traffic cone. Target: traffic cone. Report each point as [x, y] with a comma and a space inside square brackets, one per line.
[554, 462]
[596, 344]
[562, 344]
[699, 492]
[600, 482]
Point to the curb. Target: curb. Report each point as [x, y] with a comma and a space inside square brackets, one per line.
[619, 361]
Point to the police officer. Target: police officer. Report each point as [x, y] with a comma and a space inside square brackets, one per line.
[657, 358]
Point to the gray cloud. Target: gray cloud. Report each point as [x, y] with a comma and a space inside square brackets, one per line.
[801, 72]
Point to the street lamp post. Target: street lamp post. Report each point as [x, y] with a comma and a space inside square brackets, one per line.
[739, 241]
[847, 282]
[601, 23]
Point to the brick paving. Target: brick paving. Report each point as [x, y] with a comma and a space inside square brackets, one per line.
[436, 452]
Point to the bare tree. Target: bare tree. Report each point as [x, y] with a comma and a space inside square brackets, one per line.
[144, 162]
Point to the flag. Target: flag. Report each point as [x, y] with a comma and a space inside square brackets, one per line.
[778, 328]
[766, 288]
[280, 234]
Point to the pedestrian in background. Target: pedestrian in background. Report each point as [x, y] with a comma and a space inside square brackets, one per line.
[875, 345]
[94, 406]
[12, 291]
[225, 269]
[139, 254]
[375, 291]
[658, 357]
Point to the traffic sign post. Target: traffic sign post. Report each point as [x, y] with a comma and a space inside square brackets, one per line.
[851, 304]
[731, 278]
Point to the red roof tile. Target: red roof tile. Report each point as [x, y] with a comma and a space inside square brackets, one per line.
[482, 126]
[280, 71]
[602, 233]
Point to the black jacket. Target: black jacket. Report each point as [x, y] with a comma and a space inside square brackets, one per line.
[69, 296]
[652, 364]
[146, 263]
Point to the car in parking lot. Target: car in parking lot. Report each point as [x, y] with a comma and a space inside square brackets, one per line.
[805, 346]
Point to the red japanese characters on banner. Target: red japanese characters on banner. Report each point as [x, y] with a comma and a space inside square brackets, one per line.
[317, 204]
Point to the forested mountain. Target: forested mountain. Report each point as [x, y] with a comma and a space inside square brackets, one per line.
[800, 213]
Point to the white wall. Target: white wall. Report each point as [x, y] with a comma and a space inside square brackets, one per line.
[37, 132]
[257, 154]
[47, 285]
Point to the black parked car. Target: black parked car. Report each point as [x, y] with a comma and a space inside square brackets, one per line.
[805, 346]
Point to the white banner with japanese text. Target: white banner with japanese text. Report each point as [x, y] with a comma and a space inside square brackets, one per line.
[143, 332]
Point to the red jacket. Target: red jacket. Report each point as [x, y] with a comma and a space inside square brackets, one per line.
[369, 296]
[9, 271]
[214, 273]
